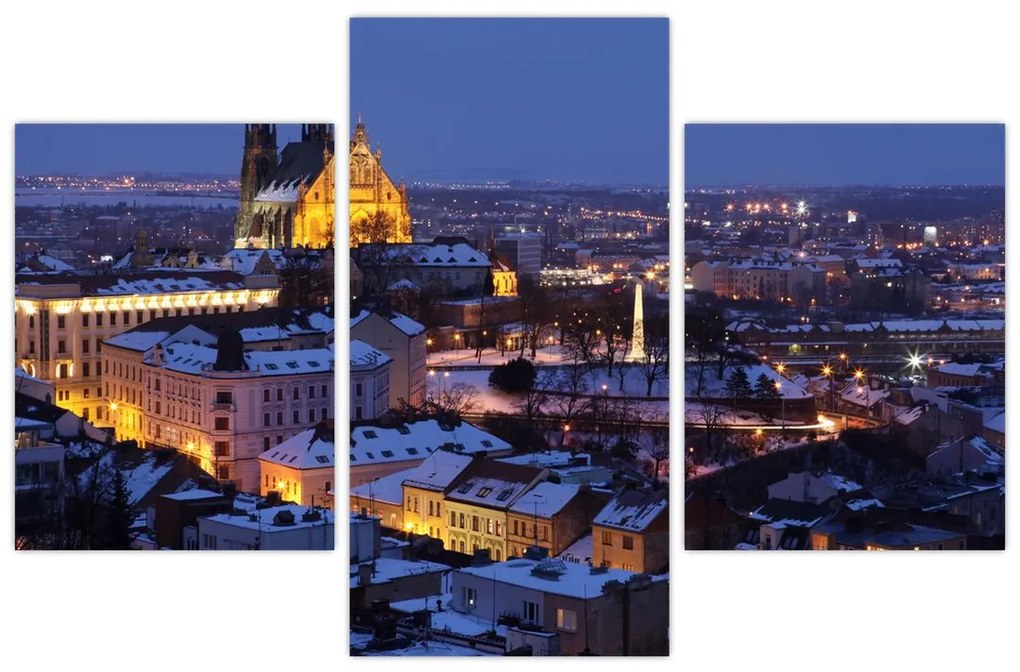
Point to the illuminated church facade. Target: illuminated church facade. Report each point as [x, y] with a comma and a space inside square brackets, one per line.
[287, 199]
[379, 212]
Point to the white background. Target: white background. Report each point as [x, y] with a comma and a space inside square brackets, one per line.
[733, 61]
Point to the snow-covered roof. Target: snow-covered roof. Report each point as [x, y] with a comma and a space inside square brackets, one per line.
[157, 285]
[389, 569]
[243, 261]
[545, 500]
[416, 440]
[839, 483]
[194, 359]
[437, 472]
[958, 369]
[492, 484]
[862, 395]
[310, 449]
[864, 262]
[262, 519]
[997, 423]
[388, 489]
[785, 512]
[280, 192]
[633, 509]
[458, 254]
[365, 358]
[545, 458]
[572, 579]
[402, 322]
[54, 263]
[193, 494]
[581, 551]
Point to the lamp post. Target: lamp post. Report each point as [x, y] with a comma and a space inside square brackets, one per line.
[782, 400]
[827, 371]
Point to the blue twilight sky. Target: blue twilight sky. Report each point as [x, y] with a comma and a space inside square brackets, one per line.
[471, 99]
[100, 149]
[845, 154]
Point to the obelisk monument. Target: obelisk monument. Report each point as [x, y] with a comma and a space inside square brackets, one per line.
[637, 339]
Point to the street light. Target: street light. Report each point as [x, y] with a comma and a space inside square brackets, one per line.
[782, 400]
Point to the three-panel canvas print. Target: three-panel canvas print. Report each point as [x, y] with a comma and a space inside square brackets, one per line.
[511, 323]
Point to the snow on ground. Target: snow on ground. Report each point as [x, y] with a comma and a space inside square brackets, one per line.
[552, 354]
[714, 387]
[490, 399]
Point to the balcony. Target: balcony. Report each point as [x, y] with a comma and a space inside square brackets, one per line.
[227, 406]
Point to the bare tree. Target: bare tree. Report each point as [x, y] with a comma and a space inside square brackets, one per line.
[657, 446]
[571, 386]
[655, 364]
[459, 398]
[534, 302]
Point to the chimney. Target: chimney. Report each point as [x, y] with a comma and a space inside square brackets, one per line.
[481, 558]
[365, 574]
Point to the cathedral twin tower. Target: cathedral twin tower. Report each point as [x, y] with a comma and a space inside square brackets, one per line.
[288, 199]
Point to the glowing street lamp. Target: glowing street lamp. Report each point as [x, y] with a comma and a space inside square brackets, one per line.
[914, 361]
[781, 368]
[782, 401]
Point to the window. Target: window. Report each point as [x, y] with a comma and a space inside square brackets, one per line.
[223, 473]
[113, 319]
[515, 529]
[279, 394]
[85, 394]
[311, 415]
[265, 443]
[297, 392]
[358, 412]
[62, 371]
[209, 541]
[265, 396]
[474, 523]
[453, 519]
[61, 347]
[224, 397]
[358, 390]
[222, 448]
[325, 391]
[61, 321]
[279, 418]
[31, 347]
[607, 538]
[86, 371]
[322, 413]
[297, 417]
[462, 526]
[140, 316]
[222, 423]
[265, 420]
[311, 392]
[499, 528]
[566, 620]
[530, 612]
[484, 492]
[126, 316]
[490, 528]
[99, 319]
[628, 542]
[279, 439]
[470, 594]
[461, 546]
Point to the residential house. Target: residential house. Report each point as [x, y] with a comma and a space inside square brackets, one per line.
[632, 531]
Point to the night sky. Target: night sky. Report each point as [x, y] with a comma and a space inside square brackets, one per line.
[561, 99]
[104, 149]
[844, 154]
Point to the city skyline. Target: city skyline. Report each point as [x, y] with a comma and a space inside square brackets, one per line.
[112, 148]
[843, 155]
[550, 110]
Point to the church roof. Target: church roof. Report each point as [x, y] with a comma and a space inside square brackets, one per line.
[301, 163]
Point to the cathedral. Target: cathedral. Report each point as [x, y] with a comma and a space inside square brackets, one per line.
[379, 211]
[287, 199]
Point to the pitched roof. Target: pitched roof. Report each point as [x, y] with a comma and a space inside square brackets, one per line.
[633, 509]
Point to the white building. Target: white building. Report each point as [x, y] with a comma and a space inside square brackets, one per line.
[302, 468]
[62, 319]
[812, 488]
[213, 398]
[370, 381]
[404, 341]
[290, 527]
[379, 451]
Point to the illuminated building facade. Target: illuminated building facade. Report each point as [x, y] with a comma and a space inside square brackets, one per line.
[287, 199]
[379, 212]
[222, 400]
[62, 319]
[301, 468]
